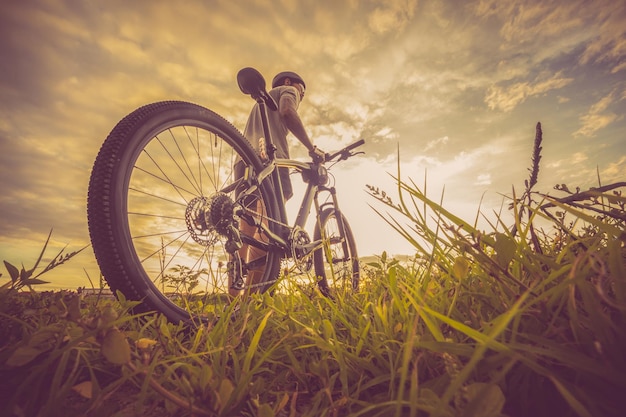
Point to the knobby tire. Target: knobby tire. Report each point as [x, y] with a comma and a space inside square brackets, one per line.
[156, 169]
[336, 264]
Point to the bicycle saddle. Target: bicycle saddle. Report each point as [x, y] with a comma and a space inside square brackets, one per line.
[251, 82]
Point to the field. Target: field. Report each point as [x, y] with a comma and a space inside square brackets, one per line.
[520, 320]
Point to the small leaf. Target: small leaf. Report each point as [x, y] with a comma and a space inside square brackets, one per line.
[460, 268]
[73, 308]
[283, 403]
[90, 340]
[145, 343]
[505, 248]
[265, 411]
[13, 271]
[486, 400]
[164, 329]
[115, 347]
[47, 335]
[398, 327]
[109, 314]
[225, 392]
[204, 376]
[24, 275]
[35, 281]
[22, 356]
[84, 389]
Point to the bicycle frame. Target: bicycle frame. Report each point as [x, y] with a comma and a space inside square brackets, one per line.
[279, 237]
[310, 199]
[173, 216]
[279, 232]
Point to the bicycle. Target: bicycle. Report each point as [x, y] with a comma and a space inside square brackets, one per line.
[164, 210]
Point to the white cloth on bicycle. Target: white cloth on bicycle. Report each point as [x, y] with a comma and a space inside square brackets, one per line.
[254, 131]
[278, 130]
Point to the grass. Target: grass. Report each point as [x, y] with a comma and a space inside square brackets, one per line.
[517, 321]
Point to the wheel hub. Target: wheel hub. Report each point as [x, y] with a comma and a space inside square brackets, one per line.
[209, 217]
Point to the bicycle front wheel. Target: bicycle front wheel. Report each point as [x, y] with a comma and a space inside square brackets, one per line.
[157, 208]
[336, 262]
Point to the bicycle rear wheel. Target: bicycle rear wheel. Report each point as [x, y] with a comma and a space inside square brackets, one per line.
[157, 208]
[337, 262]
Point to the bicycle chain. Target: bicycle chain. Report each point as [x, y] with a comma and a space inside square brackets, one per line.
[302, 263]
[298, 238]
[283, 268]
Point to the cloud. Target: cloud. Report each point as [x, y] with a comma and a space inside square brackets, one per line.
[577, 158]
[506, 98]
[534, 21]
[483, 179]
[608, 45]
[441, 81]
[392, 15]
[477, 161]
[436, 143]
[598, 117]
[37, 194]
[615, 170]
[543, 30]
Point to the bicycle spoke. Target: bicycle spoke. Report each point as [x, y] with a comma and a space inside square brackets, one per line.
[193, 183]
[166, 180]
[187, 266]
[156, 196]
[217, 162]
[164, 246]
[160, 216]
[201, 164]
[158, 234]
[218, 148]
[160, 194]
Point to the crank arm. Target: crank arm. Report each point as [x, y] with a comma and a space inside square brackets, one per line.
[313, 246]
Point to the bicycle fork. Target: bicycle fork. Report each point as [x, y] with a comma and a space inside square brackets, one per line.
[340, 226]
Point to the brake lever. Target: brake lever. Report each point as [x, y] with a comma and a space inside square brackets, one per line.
[344, 155]
[348, 154]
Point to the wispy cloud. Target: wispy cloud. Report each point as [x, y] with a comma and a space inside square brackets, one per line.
[392, 15]
[483, 179]
[615, 169]
[506, 98]
[598, 117]
[436, 143]
[608, 46]
[457, 87]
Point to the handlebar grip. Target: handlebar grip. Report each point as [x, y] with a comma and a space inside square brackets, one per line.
[355, 145]
[346, 149]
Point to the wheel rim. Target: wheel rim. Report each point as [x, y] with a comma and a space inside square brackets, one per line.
[174, 181]
[342, 271]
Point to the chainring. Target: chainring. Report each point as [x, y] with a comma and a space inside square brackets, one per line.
[302, 258]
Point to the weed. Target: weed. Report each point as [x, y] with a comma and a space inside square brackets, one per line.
[516, 321]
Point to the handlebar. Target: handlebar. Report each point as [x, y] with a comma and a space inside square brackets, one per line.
[345, 152]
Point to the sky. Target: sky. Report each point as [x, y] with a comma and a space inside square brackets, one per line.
[451, 90]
